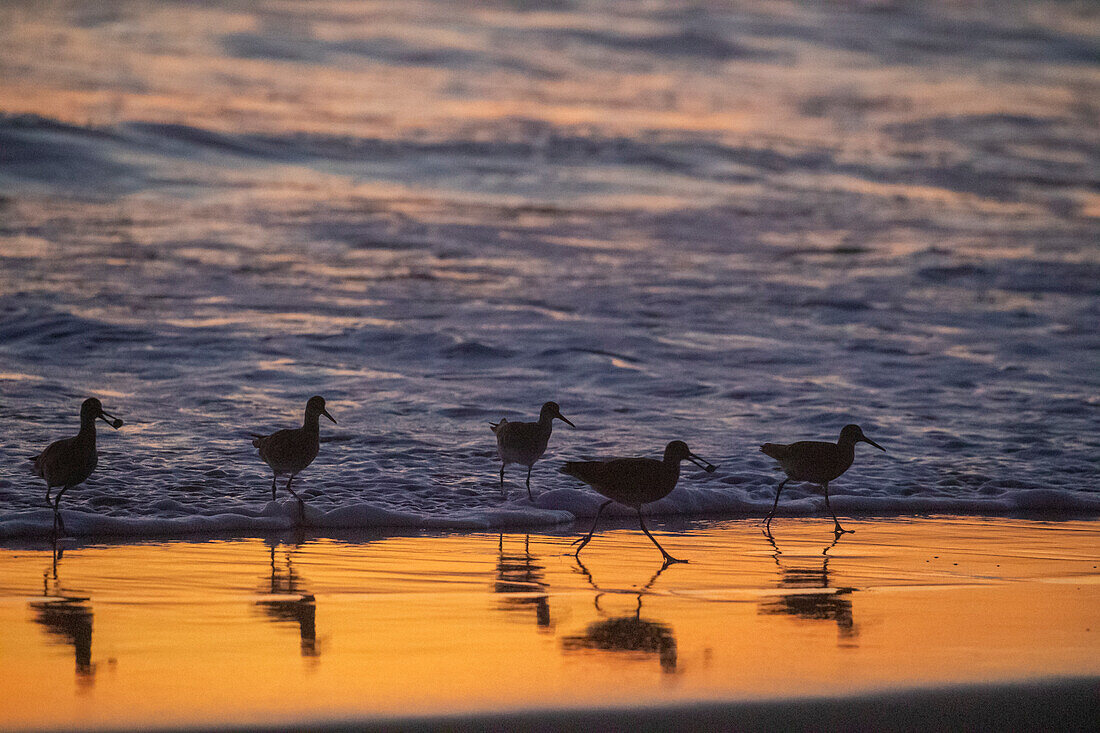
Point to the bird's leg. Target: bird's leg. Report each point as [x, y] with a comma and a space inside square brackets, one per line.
[837, 529]
[584, 540]
[58, 522]
[669, 559]
[768, 521]
[49, 500]
[273, 478]
[503, 493]
[301, 504]
[529, 484]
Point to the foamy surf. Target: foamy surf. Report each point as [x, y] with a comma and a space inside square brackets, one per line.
[553, 508]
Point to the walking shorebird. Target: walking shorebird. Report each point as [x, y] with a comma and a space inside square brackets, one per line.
[525, 442]
[816, 462]
[70, 461]
[634, 482]
[291, 450]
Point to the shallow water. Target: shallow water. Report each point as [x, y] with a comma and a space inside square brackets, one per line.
[315, 628]
[729, 226]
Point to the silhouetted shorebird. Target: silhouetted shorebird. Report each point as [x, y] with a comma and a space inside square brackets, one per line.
[289, 451]
[70, 461]
[634, 482]
[816, 462]
[525, 442]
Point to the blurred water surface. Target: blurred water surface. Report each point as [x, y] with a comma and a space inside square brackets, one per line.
[724, 224]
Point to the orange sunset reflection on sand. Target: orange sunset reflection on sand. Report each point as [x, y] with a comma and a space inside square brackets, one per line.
[240, 630]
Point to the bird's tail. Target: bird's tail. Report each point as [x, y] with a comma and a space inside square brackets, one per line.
[257, 439]
[775, 450]
[494, 426]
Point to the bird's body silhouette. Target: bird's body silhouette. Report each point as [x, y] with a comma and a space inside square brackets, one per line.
[289, 451]
[634, 482]
[525, 442]
[816, 462]
[70, 461]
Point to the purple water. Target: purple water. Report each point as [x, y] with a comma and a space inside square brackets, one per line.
[727, 226]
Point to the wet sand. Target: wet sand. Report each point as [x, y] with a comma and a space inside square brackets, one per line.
[934, 615]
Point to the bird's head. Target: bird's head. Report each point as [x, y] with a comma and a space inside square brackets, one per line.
[678, 451]
[315, 407]
[92, 409]
[550, 410]
[853, 434]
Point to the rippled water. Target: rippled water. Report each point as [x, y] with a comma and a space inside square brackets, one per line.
[724, 225]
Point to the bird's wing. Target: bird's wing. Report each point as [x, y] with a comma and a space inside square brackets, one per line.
[807, 457]
[624, 472]
[56, 461]
[276, 444]
[527, 432]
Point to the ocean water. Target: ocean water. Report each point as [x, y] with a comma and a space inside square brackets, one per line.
[727, 225]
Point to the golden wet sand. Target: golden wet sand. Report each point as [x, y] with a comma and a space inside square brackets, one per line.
[233, 631]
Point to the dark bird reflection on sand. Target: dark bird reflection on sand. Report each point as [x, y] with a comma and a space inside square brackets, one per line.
[520, 576]
[630, 633]
[815, 599]
[292, 604]
[67, 618]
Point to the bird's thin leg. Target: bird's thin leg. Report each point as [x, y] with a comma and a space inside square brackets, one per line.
[768, 521]
[503, 493]
[58, 522]
[49, 500]
[837, 529]
[668, 558]
[273, 486]
[529, 484]
[584, 540]
[301, 504]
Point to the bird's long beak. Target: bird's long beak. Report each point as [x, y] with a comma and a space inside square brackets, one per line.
[110, 419]
[868, 440]
[562, 418]
[703, 464]
[330, 417]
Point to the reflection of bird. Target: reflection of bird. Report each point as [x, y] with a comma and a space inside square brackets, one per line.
[68, 618]
[816, 462]
[301, 610]
[814, 600]
[70, 461]
[634, 482]
[521, 577]
[289, 451]
[630, 633]
[525, 442]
